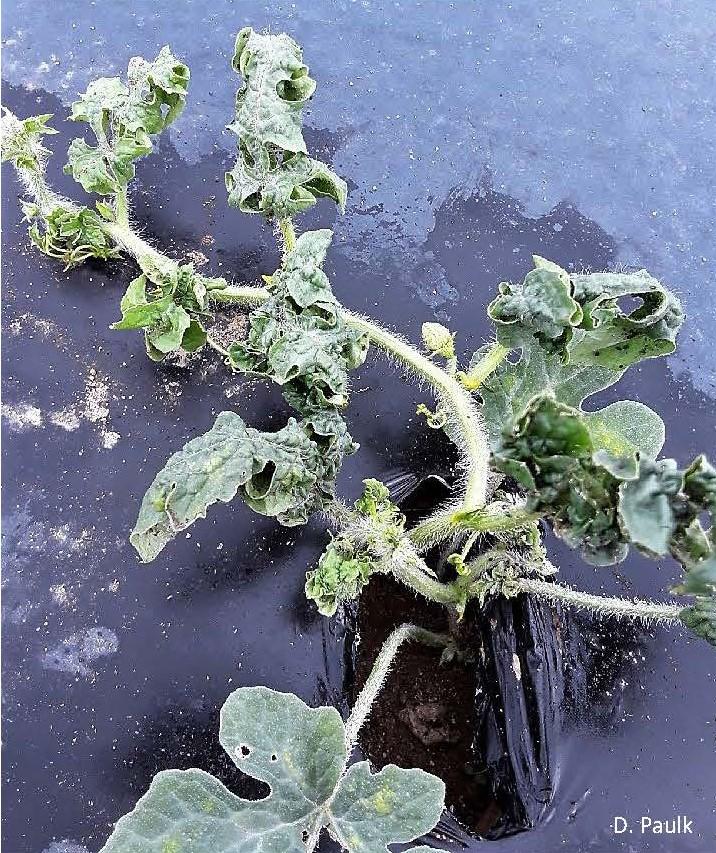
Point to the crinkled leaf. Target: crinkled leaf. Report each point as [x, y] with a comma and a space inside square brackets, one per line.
[123, 118]
[575, 335]
[289, 186]
[273, 174]
[70, 234]
[287, 474]
[298, 337]
[616, 338]
[360, 550]
[172, 314]
[340, 576]
[300, 752]
[543, 304]
[550, 453]
[276, 87]
[100, 173]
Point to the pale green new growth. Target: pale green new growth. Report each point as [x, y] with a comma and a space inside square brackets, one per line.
[302, 754]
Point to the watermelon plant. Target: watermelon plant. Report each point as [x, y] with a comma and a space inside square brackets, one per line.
[531, 454]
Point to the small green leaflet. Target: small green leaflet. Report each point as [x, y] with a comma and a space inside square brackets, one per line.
[340, 576]
[273, 174]
[360, 550]
[301, 753]
[70, 234]
[173, 316]
[287, 474]
[22, 140]
[701, 618]
[123, 118]
[298, 337]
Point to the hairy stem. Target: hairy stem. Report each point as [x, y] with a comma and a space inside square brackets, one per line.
[488, 521]
[603, 605]
[409, 568]
[472, 440]
[379, 673]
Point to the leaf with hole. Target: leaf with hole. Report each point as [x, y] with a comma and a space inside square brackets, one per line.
[301, 754]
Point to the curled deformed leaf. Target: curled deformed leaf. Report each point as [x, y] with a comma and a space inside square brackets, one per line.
[289, 185]
[70, 234]
[273, 174]
[573, 335]
[298, 337]
[550, 452]
[613, 337]
[124, 117]
[287, 474]
[301, 753]
[370, 532]
[341, 574]
[542, 305]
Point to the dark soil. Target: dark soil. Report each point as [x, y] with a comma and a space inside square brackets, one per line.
[424, 716]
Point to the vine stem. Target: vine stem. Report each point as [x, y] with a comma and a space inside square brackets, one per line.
[636, 608]
[378, 674]
[463, 411]
[122, 208]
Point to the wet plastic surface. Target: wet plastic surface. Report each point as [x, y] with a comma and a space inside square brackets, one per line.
[551, 136]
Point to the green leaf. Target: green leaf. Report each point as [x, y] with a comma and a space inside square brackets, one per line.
[340, 576]
[508, 391]
[285, 189]
[273, 174]
[614, 338]
[543, 304]
[123, 118]
[71, 235]
[300, 752]
[298, 337]
[550, 453]
[623, 431]
[370, 812]
[21, 140]
[276, 87]
[701, 618]
[646, 505]
[88, 166]
[172, 320]
[287, 474]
